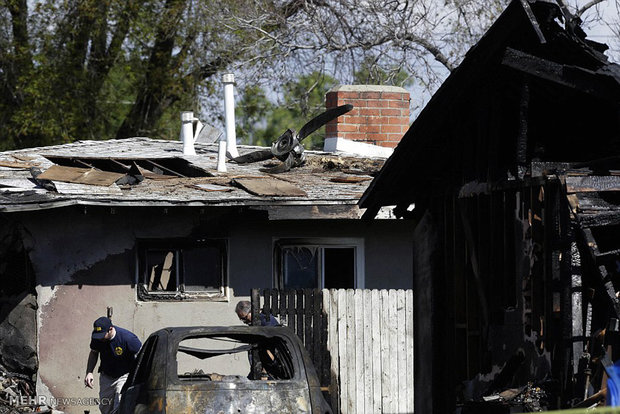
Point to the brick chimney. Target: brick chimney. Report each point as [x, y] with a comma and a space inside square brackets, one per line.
[380, 117]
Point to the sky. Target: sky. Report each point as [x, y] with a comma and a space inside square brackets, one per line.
[603, 33]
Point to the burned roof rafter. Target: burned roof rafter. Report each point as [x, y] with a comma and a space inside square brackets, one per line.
[172, 166]
[585, 80]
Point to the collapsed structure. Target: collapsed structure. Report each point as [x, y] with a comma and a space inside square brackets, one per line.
[514, 168]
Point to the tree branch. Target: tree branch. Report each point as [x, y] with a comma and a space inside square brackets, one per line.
[587, 6]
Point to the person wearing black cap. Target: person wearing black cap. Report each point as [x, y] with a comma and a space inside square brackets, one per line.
[118, 348]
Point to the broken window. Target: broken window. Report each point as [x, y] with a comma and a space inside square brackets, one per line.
[327, 264]
[181, 269]
[234, 358]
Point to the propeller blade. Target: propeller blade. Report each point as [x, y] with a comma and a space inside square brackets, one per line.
[280, 168]
[260, 155]
[320, 120]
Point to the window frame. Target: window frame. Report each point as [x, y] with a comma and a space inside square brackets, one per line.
[143, 246]
[357, 243]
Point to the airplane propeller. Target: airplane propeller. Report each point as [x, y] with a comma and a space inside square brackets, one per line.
[288, 148]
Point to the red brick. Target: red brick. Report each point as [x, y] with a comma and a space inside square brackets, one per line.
[348, 95]
[389, 144]
[331, 128]
[395, 137]
[390, 128]
[370, 128]
[370, 112]
[354, 119]
[353, 112]
[398, 96]
[391, 112]
[348, 128]
[377, 103]
[370, 95]
[398, 104]
[375, 120]
[400, 120]
[393, 95]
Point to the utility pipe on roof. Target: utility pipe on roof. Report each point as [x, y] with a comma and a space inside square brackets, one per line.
[187, 132]
[229, 107]
[221, 155]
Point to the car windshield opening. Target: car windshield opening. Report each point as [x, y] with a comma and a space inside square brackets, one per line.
[234, 358]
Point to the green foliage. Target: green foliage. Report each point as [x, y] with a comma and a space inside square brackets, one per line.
[250, 114]
[263, 121]
[93, 69]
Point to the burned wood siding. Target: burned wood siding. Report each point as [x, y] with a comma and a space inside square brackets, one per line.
[531, 106]
[494, 286]
[425, 258]
[479, 143]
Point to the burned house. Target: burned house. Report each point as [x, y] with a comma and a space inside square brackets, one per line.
[156, 238]
[513, 170]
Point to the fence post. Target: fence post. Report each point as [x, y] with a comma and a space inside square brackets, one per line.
[255, 304]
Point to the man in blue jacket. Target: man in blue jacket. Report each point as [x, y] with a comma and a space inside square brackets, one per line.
[118, 348]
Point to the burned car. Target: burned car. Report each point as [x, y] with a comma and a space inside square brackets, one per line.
[240, 369]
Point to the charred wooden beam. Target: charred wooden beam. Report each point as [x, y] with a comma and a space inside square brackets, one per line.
[577, 306]
[608, 218]
[584, 80]
[592, 184]
[530, 15]
[474, 188]
[605, 278]
[524, 105]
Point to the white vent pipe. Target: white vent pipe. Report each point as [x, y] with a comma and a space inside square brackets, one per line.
[221, 155]
[229, 106]
[187, 132]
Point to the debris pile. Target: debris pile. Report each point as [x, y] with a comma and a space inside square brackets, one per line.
[530, 398]
[350, 165]
[17, 395]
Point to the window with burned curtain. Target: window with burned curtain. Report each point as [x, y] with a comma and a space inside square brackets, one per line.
[182, 269]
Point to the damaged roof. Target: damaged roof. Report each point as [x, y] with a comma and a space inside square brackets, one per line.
[533, 87]
[147, 172]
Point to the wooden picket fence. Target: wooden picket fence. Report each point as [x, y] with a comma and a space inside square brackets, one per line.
[302, 311]
[361, 342]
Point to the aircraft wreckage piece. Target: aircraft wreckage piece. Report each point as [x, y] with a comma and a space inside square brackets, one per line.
[288, 148]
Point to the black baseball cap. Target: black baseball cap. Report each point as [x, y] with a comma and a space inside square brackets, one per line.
[101, 327]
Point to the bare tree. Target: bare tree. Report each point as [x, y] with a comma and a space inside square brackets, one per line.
[75, 69]
[426, 38]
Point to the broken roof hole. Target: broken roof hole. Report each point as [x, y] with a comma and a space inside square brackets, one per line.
[173, 167]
